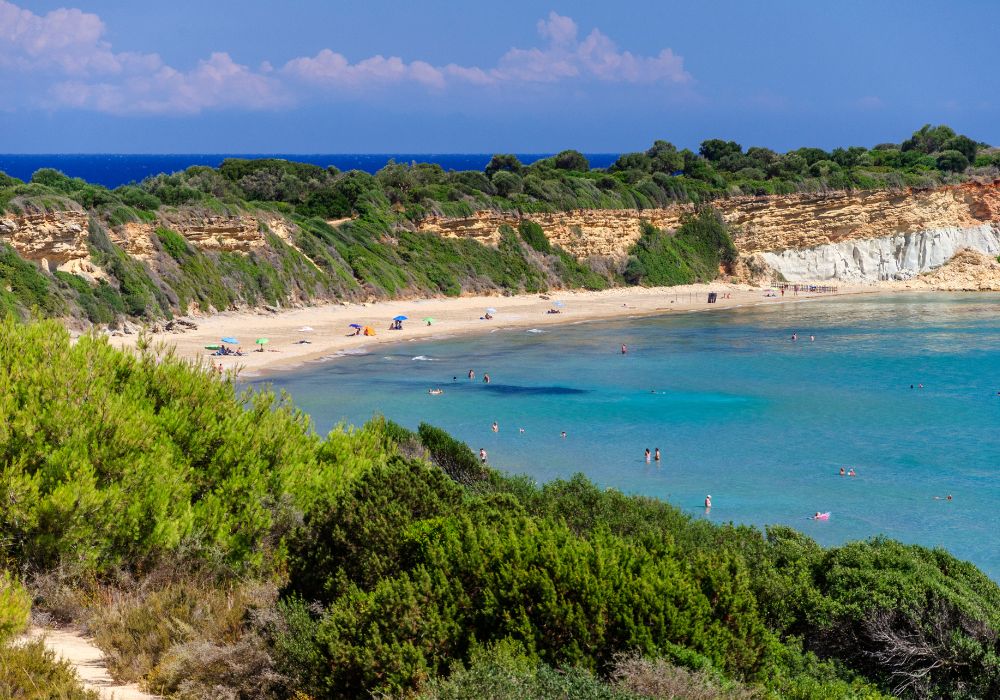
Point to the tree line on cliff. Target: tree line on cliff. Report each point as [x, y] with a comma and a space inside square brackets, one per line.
[215, 545]
[379, 253]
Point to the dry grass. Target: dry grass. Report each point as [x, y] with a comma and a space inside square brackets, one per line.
[659, 679]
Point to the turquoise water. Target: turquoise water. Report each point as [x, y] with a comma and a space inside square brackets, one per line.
[739, 411]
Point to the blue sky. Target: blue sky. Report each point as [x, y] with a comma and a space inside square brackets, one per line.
[308, 76]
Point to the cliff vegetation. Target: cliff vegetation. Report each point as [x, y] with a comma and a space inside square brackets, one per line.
[271, 232]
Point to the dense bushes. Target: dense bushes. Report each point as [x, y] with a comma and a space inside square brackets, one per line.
[112, 460]
[694, 253]
[394, 577]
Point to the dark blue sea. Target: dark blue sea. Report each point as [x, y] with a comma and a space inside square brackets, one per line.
[112, 170]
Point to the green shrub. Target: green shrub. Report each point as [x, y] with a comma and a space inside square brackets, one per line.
[504, 672]
[31, 672]
[453, 456]
[24, 287]
[534, 236]
[15, 608]
[694, 253]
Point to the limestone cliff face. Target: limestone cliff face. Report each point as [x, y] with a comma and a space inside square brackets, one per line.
[857, 236]
[54, 239]
[583, 233]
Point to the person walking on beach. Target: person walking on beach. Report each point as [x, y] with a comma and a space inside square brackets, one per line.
[647, 455]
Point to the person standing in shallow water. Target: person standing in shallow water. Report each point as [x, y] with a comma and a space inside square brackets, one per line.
[708, 502]
[656, 454]
[472, 374]
[496, 427]
[647, 455]
[486, 378]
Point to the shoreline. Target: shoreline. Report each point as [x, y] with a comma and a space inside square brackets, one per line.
[453, 316]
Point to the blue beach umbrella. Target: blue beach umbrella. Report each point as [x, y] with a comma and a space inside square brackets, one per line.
[231, 341]
[400, 318]
[491, 310]
[558, 303]
[354, 325]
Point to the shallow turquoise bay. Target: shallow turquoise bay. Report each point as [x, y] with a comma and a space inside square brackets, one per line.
[740, 411]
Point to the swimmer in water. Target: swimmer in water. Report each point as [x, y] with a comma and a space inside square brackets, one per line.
[624, 349]
[812, 338]
[708, 502]
[656, 454]
[563, 434]
[435, 392]
[816, 517]
[842, 472]
[496, 428]
[943, 498]
[647, 455]
[472, 374]
[521, 430]
[795, 336]
[851, 472]
[486, 378]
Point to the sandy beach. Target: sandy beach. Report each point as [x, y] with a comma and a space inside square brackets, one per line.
[326, 327]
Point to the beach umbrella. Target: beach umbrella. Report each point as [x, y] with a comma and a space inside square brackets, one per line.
[400, 318]
[491, 310]
[305, 329]
[428, 320]
[262, 341]
[231, 340]
[212, 347]
[558, 303]
[354, 325]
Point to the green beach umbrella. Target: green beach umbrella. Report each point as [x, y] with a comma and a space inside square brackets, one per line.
[212, 347]
[428, 320]
[262, 341]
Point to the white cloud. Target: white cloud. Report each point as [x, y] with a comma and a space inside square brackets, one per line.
[63, 41]
[564, 58]
[870, 102]
[80, 69]
[218, 82]
[330, 68]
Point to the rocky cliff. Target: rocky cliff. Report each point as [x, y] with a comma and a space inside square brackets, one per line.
[856, 236]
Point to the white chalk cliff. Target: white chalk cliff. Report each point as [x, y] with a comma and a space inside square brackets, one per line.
[898, 256]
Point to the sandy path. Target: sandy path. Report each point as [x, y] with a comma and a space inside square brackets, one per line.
[329, 337]
[89, 663]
